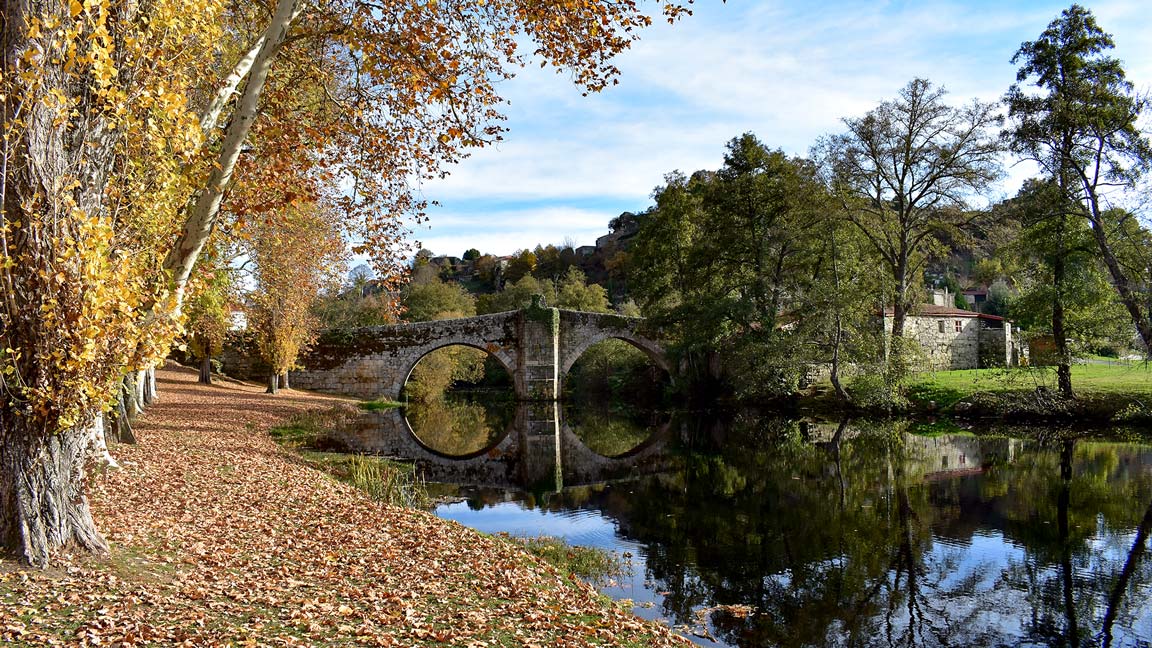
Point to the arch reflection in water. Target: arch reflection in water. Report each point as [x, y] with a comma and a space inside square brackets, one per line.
[611, 434]
[454, 427]
[537, 451]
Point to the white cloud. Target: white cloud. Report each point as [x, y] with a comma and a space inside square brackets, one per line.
[506, 231]
[787, 72]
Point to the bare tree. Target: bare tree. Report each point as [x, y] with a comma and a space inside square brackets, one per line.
[904, 173]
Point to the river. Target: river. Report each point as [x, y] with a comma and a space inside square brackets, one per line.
[745, 529]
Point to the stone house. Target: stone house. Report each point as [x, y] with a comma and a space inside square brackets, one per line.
[954, 338]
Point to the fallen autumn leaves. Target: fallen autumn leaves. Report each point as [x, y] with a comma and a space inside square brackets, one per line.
[221, 538]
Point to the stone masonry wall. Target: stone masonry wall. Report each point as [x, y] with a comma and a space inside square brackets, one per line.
[944, 349]
[374, 362]
[972, 346]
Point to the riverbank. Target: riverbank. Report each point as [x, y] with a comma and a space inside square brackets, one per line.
[220, 537]
[1106, 393]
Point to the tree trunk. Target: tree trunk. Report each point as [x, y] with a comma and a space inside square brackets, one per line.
[56, 166]
[206, 370]
[42, 501]
[899, 315]
[203, 213]
[118, 424]
[273, 383]
[284, 381]
[138, 387]
[834, 374]
[150, 394]
[1120, 281]
[1059, 335]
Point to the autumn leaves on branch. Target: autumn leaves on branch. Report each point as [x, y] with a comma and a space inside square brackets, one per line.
[135, 131]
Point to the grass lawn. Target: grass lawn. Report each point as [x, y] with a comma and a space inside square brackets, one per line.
[948, 387]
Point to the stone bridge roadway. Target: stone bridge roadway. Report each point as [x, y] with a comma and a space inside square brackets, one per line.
[539, 452]
[536, 345]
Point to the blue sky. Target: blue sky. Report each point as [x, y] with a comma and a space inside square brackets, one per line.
[787, 71]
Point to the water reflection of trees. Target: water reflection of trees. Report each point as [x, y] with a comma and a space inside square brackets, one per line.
[458, 427]
[608, 434]
[862, 539]
[454, 405]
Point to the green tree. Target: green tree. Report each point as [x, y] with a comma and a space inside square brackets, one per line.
[550, 264]
[725, 260]
[209, 313]
[1056, 243]
[355, 305]
[435, 300]
[834, 320]
[488, 271]
[1081, 126]
[1064, 287]
[574, 293]
[903, 172]
[471, 254]
[516, 296]
[667, 282]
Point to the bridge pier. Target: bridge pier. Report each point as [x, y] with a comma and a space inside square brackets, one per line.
[541, 468]
[539, 362]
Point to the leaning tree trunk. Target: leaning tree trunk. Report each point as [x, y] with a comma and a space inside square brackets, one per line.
[42, 501]
[1129, 296]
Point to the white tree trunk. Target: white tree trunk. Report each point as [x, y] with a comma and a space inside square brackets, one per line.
[202, 217]
[230, 84]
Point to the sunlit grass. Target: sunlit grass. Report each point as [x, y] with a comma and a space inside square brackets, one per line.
[1133, 379]
[590, 563]
[379, 405]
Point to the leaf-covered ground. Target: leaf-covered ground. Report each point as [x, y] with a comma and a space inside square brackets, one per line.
[219, 537]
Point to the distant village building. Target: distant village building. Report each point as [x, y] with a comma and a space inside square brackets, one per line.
[954, 338]
[976, 297]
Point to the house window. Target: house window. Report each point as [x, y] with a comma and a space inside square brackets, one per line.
[959, 326]
[941, 323]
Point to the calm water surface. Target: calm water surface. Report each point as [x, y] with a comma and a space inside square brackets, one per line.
[767, 532]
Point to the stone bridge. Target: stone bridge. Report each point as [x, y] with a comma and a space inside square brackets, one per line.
[536, 345]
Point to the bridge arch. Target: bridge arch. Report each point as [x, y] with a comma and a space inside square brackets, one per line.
[651, 349]
[579, 331]
[506, 360]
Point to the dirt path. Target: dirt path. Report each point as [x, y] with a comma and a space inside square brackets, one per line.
[221, 538]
